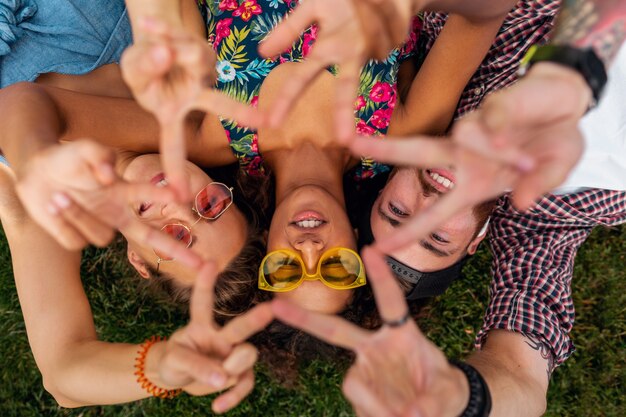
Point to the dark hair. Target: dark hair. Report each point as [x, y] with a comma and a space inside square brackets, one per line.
[283, 349]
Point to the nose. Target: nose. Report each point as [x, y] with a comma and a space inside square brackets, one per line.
[310, 247]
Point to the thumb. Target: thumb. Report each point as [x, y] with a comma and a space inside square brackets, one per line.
[100, 160]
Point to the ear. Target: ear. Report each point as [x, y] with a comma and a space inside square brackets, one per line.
[138, 263]
[473, 246]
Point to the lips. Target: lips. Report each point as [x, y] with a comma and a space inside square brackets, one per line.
[308, 220]
[442, 179]
[160, 177]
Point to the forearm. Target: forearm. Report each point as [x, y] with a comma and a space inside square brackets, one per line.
[30, 123]
[517, 371]
[436, 89]
[596, 24]
[76, 368]
[100, 373]
[476, 9]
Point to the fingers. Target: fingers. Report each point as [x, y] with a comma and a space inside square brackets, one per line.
[161, 242]
[64, 232]
[557, 150]
[201, 303]
[347, 86]
[241, 359]
[288, 31]
[362, 397]
[331, 329]
[100, 159]
[389, 297]
[470, 134]
[174, 156]
[426, 221]
[182, 365]
[142, 63]
[235, 395]
[216, 102]
[419, 151]
[242, 327]
[88, 226]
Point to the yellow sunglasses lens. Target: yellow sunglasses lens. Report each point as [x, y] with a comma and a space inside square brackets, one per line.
[340, 267]
[282, 270]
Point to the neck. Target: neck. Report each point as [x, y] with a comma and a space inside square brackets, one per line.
[308, 165]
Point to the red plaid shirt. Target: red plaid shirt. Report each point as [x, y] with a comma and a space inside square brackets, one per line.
[527, 24]
[534, 260]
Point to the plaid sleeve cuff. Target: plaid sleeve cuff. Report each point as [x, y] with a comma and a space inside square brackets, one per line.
[525, 312]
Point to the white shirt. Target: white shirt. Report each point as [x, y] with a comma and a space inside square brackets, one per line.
[603, 164]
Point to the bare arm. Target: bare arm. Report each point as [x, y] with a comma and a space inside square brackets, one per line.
[517, 369]
[41, 115]
[449, 66]
[597, 24]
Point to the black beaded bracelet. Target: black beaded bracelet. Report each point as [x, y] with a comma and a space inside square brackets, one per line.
[479, 404]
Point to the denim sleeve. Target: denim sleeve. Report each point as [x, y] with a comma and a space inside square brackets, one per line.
[62, 36]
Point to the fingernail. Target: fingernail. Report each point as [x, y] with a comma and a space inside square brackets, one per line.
[52, 209]
[61, 200]
[217, 380]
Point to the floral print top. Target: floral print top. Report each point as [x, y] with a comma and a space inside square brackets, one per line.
[235, 28]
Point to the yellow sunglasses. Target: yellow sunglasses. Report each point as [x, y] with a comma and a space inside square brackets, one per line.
[284, 270]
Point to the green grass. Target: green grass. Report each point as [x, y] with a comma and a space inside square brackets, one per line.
[591, 383]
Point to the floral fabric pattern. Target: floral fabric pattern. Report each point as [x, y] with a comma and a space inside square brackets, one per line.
[235, 28]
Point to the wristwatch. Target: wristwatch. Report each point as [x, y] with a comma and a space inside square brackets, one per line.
[584, 61]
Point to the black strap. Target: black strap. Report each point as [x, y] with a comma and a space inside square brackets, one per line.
[479, 404]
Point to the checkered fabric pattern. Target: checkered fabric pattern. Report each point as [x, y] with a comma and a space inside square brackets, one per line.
[528, 24]
[533, 263]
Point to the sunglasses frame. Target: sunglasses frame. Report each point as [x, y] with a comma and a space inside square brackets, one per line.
[264, 285]
[195, 201]
[200, 217]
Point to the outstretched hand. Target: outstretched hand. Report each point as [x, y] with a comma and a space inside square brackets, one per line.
[398, 371]
[171, 73]
[350, 33]
[525, 140]
[72, 191]
[203, 358]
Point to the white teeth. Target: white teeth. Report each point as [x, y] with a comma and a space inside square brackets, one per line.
[441, 180]
[162, 183]
[309, 224]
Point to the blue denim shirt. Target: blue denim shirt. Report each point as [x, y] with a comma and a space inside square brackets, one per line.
[62, 36]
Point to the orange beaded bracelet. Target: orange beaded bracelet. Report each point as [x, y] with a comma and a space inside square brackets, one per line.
[140, 364]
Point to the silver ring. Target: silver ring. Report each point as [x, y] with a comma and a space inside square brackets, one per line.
[399, 322]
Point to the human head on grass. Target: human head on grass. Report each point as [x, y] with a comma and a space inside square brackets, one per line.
[233, 239]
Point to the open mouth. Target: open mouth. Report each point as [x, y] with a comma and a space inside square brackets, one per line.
[441, 179]
[308, 220]
[159, 180]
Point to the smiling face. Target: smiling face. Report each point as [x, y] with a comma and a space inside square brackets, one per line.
[310, 221]
[219, 240]
[406, 194]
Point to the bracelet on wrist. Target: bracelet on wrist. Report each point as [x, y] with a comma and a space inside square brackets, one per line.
[479, 404]
[140, 366]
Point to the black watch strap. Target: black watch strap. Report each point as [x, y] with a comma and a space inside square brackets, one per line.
[479, 404]
[584, 61]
